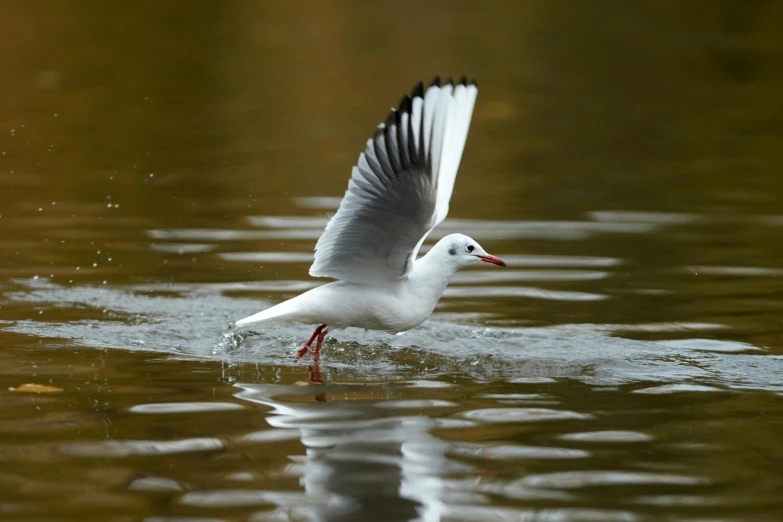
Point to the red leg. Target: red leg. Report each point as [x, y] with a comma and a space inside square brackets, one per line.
[303, 350]
[321, 337]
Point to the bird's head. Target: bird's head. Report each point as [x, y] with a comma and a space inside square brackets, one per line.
[460, 251]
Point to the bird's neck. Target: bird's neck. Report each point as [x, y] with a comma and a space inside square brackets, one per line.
[430, 276]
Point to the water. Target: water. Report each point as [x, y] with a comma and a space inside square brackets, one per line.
[167, 168]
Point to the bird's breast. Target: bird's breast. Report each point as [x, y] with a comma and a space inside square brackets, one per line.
[392, 308]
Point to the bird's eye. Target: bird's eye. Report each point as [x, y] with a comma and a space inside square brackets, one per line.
[470, 248]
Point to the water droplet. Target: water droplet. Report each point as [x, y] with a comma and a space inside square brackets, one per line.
[35, 277]
[94, 265]
[152, 175]
[78, 268]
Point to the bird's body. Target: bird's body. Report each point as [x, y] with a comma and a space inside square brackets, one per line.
[399, 191]
[393, 306]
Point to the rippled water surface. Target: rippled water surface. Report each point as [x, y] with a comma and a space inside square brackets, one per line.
[167, 167]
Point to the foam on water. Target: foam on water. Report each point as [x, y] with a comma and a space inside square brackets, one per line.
[194, 321]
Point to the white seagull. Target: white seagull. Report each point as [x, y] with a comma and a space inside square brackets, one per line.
[398, 192]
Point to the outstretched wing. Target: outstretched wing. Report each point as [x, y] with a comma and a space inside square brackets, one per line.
[401, 187]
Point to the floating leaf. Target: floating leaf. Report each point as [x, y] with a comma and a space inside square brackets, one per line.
[36, 388]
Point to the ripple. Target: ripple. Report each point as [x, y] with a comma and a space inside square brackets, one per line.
[267, 257]
[216, 234]
[663, 327]
[182, 248]
[156, 484]
[446, 423]
[477, 513]
[520, 291]
[734, 271]
[678, 388]
[272, 286]
[710, 345]
[499, 415]
[134, 448]
[252, 497]
[415, 404]
[509, 452]
[428, 384]
[633, 216]
[561, 261]
[471, 513]
[235, 498]
[581, 479]
[684, 500]
[608, 436]
[184, 407]
[516, 396]
[531, 380]
[287, 221]
[585, 515]
[501, 276]
[273, 435]
[324, 203]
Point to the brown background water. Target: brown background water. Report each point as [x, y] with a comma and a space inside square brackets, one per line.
[167, 167]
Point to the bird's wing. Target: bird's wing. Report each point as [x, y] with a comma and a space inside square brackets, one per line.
[401, 187]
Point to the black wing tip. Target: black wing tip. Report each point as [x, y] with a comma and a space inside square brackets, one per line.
[467, 83]
[405, 104]
[418, 91]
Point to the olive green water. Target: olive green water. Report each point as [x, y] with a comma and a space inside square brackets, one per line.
[167, 167]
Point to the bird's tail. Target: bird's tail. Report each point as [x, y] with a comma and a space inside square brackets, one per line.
[274, 314]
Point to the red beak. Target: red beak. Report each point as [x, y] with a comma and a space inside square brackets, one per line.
[492, 259]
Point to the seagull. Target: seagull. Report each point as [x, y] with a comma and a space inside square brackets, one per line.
[398, 193]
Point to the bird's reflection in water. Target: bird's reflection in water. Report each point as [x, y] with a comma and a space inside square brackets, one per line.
[362, 461]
